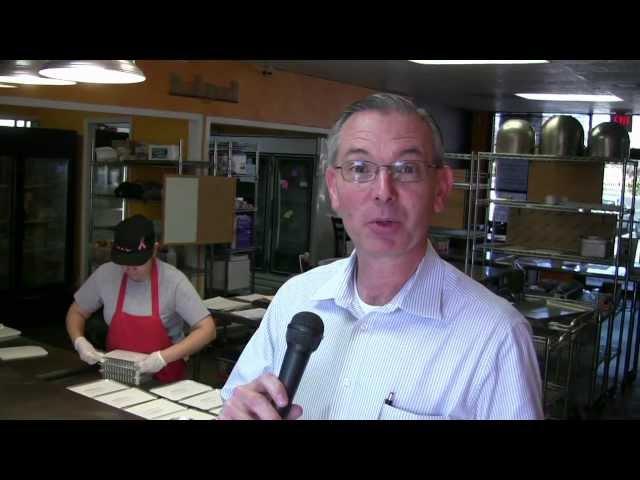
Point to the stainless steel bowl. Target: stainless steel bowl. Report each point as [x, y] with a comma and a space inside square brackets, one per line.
[562, 135]
[516, 136]
[610, 140]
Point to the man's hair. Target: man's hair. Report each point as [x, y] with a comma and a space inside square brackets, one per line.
[385, 103]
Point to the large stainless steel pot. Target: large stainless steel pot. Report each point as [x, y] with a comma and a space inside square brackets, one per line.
[516, 136]
[562, 135]
[609, 139]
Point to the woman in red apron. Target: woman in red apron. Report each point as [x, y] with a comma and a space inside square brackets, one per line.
[133, 259]
[144, 334]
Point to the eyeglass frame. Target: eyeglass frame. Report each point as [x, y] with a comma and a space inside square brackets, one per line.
[388, 166]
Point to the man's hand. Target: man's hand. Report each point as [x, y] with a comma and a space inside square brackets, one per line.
[255, 401]
[152, 363]
[86, 351]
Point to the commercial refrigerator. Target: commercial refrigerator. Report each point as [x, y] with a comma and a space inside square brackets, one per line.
[36, 237]
[283, 221]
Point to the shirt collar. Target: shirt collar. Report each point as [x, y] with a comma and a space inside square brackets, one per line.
[421, 295]
[339, 286]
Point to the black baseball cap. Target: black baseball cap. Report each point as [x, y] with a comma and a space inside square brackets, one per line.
[133, 241]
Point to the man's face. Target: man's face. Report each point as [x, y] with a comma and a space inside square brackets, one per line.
[138, 273]
[386, 218]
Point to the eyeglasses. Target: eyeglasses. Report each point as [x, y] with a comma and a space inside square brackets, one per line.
[363, 171]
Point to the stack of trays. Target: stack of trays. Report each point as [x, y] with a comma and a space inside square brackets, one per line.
[120, 365]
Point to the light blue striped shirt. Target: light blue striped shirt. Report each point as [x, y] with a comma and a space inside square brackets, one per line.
[446, 347]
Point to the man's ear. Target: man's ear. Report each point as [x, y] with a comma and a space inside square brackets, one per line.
[444, 184]
[331, 179]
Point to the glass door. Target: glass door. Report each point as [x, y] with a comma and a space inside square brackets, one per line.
[6, 208]
[291, 203]
[44, 221]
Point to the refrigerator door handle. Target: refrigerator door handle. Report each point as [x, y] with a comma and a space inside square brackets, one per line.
[277, 203]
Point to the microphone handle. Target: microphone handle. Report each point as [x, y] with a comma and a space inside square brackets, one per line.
[293, 365]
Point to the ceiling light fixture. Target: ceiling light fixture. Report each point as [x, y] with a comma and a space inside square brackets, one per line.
[94, 71]
[477, 62]
[25, 72]
[569, 97]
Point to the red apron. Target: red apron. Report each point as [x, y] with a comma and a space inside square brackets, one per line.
[144, 334]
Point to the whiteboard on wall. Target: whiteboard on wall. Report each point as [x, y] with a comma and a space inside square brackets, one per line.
[180, 210]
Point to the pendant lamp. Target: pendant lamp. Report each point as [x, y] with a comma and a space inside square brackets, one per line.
[25, 72]
[93, 71]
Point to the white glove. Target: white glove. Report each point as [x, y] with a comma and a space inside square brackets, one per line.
[86, 351]
[152, 363]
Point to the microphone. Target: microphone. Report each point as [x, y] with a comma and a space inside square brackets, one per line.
[303, 337]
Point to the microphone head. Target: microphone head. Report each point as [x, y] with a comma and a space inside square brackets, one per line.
[305, 331]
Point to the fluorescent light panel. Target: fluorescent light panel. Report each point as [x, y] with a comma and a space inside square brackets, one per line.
[569, 97]
[477, 62]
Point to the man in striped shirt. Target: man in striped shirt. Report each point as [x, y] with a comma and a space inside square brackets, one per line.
[406, 336]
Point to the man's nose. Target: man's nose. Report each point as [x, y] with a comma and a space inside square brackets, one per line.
[385, 186]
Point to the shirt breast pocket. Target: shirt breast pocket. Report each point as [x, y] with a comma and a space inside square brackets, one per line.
[389, 412]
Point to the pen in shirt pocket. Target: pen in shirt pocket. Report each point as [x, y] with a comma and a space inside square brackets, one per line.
[387, 401]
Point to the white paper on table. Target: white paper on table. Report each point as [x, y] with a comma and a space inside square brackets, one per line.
[8, 333]
[181, 389]
[99, 387]
[223, 304]
[216, 411]
[204, 401]
[155, 408]
[252, 297]
[188, 414]
[125, 398]
[252, 314]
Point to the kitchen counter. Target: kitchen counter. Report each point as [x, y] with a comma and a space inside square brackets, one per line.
[35, 388]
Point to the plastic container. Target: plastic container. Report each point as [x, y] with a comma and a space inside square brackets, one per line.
[106, 154]
[594, 247]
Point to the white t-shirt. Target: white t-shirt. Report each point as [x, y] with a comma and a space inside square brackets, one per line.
[365, 307]
[179, 301]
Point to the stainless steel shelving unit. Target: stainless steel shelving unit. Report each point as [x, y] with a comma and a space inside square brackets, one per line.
[221, 156]
[475, 182]
[615, 268]
[115, 208]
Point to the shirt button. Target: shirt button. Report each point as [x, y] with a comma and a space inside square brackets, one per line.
[346, 383]
[363, 327]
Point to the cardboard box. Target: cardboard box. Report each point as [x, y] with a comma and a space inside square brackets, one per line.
[455, 214]
[579, 182]
[559, 231]
[198, 209]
